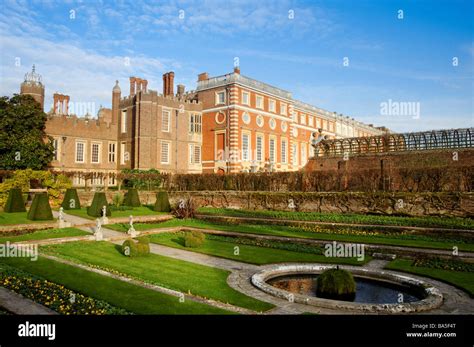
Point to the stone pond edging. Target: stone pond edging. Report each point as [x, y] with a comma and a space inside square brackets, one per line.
[433, 299]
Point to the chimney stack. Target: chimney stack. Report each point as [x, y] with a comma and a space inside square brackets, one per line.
[237, 70]
[61, 103]
[165, 84]
[168, 80]
[203, 76]
[171, 83]
[180, 90]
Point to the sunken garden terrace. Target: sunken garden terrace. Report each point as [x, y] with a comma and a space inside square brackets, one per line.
[248, 243]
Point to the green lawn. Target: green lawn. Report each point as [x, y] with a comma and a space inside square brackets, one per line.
[44, 234]
[421, 241]
[135, 211]
[18, 218]
[429, 221]
[462, 280]
[176, 274]
[117, 293]
[249, 253]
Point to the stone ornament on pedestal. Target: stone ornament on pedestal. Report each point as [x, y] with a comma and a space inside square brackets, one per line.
[61, 221]
[105, 220]
[131, 230]
[99, 236]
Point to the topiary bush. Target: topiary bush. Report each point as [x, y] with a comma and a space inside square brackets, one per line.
[15, 201]
[131, 198]
[336, 284]
[162, 203]
[40, 209]
[132, 248]
[194, 239]
[71, 200]
[95, 209]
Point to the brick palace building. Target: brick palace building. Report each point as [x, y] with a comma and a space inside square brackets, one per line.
[251, 126]
[230, 123]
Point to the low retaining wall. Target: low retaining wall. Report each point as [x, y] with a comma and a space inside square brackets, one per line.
[433, 298]
[410, 204]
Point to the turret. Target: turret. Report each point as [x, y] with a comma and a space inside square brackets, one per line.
[32, 86]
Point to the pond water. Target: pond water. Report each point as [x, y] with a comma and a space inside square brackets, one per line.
[367, 290]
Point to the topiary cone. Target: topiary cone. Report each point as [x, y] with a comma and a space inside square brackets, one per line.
[162, 203]
[131, 198]
[15, 201]
[95, 209]
[71, 200]
[40, 209]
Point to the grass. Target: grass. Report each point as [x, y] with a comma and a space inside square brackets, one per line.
[175, 274]
[18, 218]
[249, 253]
[117, 293]
[462, 280]
[44, 234]
[420, 241]
[135, 211]
[429, 221]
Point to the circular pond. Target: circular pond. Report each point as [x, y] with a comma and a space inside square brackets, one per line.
[376, 290]
[367, 290]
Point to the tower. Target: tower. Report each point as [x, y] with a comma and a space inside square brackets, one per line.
[32, 86]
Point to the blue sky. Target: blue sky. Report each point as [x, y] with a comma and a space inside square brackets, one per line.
[82, 53]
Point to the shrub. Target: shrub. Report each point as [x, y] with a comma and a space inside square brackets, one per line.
[71, 200]
[162, 203]
[95, 209]
[15, 201]
[117, 200]
[54, 183]
[194, 239]
[336, 284]
[186, 208]
[132, 198]
[40, 209]
[132, 249]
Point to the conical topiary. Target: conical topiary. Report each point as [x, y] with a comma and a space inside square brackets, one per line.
[71, 200]
[162, 203]
[95, 209]
[40, 209]
[131, 198]
[15, 201]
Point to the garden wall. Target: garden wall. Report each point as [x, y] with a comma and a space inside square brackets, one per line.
[410, 204]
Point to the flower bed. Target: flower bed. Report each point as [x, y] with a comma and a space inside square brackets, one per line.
[444, 264]
[297, 247]
[54, 296]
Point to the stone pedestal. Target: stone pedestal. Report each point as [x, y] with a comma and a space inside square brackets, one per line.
[63, 224]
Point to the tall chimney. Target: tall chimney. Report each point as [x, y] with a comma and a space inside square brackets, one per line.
[171, 83]
[132, 86]
[165, 84]
[237, 70]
